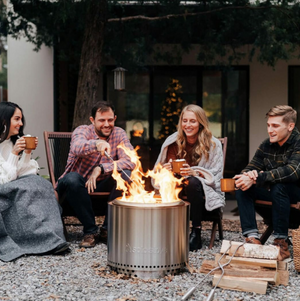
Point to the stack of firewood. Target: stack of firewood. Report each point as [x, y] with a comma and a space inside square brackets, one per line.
[251, 268]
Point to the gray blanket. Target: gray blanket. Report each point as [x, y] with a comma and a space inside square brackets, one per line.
[30, 221]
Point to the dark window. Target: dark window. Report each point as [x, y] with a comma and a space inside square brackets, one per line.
[158, 93]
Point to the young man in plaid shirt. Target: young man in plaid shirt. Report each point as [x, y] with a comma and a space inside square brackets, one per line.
[273, 175]
[89, 170]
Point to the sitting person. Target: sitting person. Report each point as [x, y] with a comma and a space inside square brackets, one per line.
[204, 168]
[88, 168]
[272, 175]
[30, 220]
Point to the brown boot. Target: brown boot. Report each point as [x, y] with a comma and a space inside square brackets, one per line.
[89, 240]
[283, 248]
[252, 240]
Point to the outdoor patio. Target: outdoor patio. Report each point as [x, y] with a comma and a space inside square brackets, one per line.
[83, 274]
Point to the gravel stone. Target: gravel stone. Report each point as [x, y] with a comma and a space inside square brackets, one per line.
[83, 274]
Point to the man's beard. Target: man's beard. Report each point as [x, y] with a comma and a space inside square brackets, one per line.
[101, 134]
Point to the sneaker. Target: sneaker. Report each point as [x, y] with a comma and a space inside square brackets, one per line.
[61, 248]
[89, 240]
[283, 248]
[252, 240]
[103, 235]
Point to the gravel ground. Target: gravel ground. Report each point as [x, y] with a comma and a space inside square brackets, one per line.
[83, 275]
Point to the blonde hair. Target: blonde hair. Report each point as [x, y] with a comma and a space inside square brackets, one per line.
[288, 113]
[204, 141]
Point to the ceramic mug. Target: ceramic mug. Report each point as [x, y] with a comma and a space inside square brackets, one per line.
[227, 185]
[177, 164]
[30, 142]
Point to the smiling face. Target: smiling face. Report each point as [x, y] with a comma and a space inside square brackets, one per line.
[104, 123]
[278, 130]
[16, 122]
[190, 126]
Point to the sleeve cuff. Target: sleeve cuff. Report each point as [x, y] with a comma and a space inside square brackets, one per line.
[13, 159]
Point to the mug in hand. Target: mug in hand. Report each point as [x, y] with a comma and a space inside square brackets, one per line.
[227, 185]
[177, 164]
[30, 142]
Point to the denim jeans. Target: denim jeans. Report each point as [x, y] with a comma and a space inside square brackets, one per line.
[281, 195]
[72, 185]
[195, 196]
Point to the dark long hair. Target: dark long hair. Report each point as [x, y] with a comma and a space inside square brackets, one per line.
[7, 110]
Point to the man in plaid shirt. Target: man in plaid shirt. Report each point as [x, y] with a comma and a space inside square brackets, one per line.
[89, 170]
[273, 175]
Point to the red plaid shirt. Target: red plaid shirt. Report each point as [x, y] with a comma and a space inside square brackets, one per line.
[84, 157]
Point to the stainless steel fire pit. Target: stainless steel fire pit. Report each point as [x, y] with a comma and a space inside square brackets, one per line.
[148, 240]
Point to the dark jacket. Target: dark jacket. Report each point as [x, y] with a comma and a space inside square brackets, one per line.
[280, 164]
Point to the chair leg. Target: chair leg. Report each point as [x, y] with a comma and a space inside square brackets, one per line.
[213, 234]
[221, 237]
[65, 229]
[266, 234]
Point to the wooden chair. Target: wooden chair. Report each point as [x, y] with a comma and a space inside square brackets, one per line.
[264, 209]
[57, 145]
[216, 215]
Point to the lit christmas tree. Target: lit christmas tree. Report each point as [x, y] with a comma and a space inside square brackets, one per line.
[171, 109]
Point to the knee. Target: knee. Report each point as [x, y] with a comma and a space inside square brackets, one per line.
[194, 184]
[73, 179]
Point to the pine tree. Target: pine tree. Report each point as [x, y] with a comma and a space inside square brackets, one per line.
[171, 109]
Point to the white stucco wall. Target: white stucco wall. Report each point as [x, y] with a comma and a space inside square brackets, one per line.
[30, 85]
[268, 87]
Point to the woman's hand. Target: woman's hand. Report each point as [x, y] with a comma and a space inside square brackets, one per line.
[91, 182]
[186, 170]
[19, 146]
[168, 165]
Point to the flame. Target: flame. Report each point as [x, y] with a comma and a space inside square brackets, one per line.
[135, 192]
[138, 133]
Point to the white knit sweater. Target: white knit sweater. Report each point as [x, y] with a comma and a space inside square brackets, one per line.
[212, 171]
[12, 166]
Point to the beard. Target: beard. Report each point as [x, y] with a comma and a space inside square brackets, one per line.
[101, 133]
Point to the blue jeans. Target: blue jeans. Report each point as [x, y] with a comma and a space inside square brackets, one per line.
[281, 195]
[72, 185]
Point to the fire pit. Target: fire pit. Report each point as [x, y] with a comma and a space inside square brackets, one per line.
[147, 235]
[148, 240]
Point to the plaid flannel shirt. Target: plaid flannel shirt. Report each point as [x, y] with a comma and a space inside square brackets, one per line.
[84, 157]
[280, 164]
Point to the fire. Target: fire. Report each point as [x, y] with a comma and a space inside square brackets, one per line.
[135, 192]
[138, 133]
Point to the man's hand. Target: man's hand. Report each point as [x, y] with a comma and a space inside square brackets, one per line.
[252, 174]
[103, 146]
[91, 182]
[243, 182]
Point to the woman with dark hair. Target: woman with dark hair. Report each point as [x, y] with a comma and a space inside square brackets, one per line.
[203, 168]
[30, 221]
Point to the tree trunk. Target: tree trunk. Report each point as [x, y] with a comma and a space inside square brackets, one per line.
[90, 61]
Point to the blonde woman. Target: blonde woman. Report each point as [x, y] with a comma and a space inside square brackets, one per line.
[204, 165]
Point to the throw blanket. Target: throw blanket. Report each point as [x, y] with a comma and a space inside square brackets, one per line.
[212, 171]
[30, 219]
